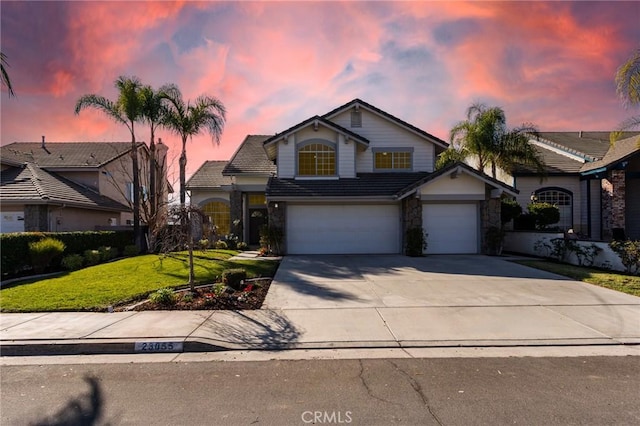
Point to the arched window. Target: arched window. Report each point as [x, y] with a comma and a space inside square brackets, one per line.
[219, 215]
[317, 159]
[561, 198]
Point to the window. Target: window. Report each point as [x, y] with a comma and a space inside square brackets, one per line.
[257, 199]
[317, 159]
[387, 160]
[356, 118]
[219, 215]
[561, 198]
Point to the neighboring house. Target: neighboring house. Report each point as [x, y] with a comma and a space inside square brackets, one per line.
[595, 185]
[64, 186]
[351, 181]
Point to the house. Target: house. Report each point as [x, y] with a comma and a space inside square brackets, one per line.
[596, 185]
[71, 186]
[351, 181]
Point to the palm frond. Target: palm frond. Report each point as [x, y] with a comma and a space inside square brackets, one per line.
[4, 75]
[628, 80]
[102, 104]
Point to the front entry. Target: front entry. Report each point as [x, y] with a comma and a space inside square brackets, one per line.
[257, 219]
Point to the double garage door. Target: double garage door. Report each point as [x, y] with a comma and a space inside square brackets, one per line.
[343, 229]
[376, 228]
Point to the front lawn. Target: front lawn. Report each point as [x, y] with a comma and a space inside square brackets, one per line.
[124, 280]
[624, 283]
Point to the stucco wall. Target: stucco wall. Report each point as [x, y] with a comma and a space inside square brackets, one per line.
[462, 184]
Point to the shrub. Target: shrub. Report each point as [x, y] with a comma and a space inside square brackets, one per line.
[72, 262]
[221, 245]
[92, 257]
[107, 253]
[545, 214]
[629, 254]
[204, 244]
[242, 246]
[271, 238]
[416, 241]
[218, 289]
[234, 277]
[232, 242]
[509, 210]
[525, 222]
[44, 252]
[163, 296]
[131, 250]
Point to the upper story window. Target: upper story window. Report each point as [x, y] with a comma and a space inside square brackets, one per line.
[392, 160]
[561, 198]
[317, 159]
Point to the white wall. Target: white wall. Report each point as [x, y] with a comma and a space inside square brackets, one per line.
[523, 243]
[463, 184]
[382, 133]
[286, 158]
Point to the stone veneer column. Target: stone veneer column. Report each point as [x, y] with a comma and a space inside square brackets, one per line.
[489, 216]
[411, 216]
[235, 209]
[277, 219]
[36, 218]
[613, 202]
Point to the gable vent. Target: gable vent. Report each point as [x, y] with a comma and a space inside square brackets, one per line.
[356, 118]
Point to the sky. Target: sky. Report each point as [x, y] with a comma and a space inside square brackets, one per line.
[274, 64]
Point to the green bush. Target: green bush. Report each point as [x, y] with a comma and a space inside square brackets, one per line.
[221, 245]
[15, 247]
[234, 277]
[92, 257]
[242, 246]
[415, 242]
[509, 210]
[271, 239]
[629, 254]
[130, 250]
[545, 214]
[107, 253]
[72, 262]
[44, 252]
[164, 297]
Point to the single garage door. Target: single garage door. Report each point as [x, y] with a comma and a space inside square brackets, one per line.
[451, 228]
[343, 229]
[12, 222]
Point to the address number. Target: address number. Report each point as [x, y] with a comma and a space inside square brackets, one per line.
[158, 347]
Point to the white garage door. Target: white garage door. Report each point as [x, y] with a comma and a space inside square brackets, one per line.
[342, 229]
[12, 222]
[451, 228]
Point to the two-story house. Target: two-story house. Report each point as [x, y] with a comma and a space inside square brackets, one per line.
[350, 181]
[72, 186]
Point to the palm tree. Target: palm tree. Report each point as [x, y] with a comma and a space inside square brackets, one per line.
[188, 119]
[628, 88]
[485, 136]
[127, 110]
[153, 113]
[4, 75]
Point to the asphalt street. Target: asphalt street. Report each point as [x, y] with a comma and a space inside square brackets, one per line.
[455, 391]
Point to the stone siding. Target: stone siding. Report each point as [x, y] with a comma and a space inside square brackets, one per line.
[235, 210]
[36, 218]
[613, 202]
[490, 210]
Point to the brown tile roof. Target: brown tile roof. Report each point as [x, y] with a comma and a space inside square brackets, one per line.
[65, 154]
[589, 145]
[209, 175]
[554, 164]
[30, 184]
[620, 151]
[251, 158]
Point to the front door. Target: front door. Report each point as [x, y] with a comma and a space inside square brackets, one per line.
[257, 219]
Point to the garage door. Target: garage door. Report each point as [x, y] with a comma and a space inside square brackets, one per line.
[451, 228]
[342, 229]
[12, 222]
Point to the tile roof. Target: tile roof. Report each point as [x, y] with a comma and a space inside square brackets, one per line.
[619, 151]
[364, 185]
[209, 175]
[386, 115]
[251, 158]
[593, 145]
[65, 154]
[555, 163]
[30, 184]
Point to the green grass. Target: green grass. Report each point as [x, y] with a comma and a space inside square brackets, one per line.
[121, 281]
[624, 283]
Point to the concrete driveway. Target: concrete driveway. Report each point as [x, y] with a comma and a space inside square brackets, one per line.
[467, 298]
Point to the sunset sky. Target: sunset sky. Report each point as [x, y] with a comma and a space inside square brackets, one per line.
[274, 64]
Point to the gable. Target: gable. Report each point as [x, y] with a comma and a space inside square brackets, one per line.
[461, 183]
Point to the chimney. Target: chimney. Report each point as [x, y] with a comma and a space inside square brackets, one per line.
[580, 134]
[43, 143]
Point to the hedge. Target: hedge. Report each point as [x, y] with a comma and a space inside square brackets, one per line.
[14, 248]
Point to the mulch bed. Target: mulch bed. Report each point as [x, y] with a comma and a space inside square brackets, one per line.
[205, 299]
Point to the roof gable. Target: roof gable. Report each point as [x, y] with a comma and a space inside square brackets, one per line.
[358, 103]
[618, 152]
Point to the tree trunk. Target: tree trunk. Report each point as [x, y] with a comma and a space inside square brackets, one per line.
[153, 187]
[137, 236]
[183, 172]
